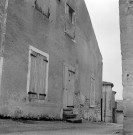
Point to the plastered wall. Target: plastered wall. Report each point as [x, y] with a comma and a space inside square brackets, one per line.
[26, 26]
[126, 32]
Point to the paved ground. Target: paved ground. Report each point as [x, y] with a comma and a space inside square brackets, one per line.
[11, 127]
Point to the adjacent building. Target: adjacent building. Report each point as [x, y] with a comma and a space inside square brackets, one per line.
[108, 103]
[119, 112]
[126, 36]
[49, 60]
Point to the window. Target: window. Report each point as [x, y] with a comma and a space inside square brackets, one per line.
[43, 6]
[71, 14]
[130, 2]
[38, 74]
[92, 93]
[70, 21]
[3, 5]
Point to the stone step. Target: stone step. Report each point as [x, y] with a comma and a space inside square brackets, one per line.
[74, 120]
[69, 116]
[67, 112]
[70, 107]
[67, 109]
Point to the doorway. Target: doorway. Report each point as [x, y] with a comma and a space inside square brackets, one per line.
[69, 86]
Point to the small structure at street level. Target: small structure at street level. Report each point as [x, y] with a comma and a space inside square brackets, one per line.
[119, 112]
[108, 103]
[50, 62]
[126, 37]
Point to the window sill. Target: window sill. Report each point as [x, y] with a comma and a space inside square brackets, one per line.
[35, 97]
[70, 37]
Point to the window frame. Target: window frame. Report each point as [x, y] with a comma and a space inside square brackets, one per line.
[70, 21]
[92, 83]
[31, 50]
[73, 14]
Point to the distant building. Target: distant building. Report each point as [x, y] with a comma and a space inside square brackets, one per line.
[50, 61]
[108, 103]
[119, 112]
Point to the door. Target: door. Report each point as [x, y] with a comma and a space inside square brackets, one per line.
[69, 87]
[113, 115]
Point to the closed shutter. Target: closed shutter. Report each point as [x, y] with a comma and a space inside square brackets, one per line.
[38, 75]
[66, 78]
[33, 73]
[42, 68]
[92, 93]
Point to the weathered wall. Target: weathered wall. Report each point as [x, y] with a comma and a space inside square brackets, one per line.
[119, 112]
[126, 33]
[107, 103]
[119, 117]
[113, 99]
[26, 26]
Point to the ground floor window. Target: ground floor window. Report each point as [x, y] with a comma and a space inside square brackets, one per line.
[38, 74]
[92, 93]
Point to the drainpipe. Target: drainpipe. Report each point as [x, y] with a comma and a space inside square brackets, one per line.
[105, 105]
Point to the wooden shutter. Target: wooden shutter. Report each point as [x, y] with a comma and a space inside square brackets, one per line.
[92, 93]
[66, 78]
[42, 69]
[33, 74]
[38, 76]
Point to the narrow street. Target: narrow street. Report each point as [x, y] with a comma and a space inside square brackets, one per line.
[11, 127]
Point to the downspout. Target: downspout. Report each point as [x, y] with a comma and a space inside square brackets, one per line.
[105, 105]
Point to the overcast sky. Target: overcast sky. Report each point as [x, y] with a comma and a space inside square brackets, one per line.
[105, 20]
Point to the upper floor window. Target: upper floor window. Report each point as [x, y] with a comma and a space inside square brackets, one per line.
[70, 21]
[43, 6]
[71, 13]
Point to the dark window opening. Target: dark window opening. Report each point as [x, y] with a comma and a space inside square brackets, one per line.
[71, 13]
[70, 22]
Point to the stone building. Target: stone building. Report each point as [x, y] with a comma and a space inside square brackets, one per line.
[108, 103]
[126, 36]
[119, 112]
[50, 60]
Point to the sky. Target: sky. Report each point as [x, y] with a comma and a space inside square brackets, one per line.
[105, 20]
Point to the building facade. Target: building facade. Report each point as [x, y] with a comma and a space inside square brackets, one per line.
[119, 112]
[50, 60]
[108, 103]
[126, 33]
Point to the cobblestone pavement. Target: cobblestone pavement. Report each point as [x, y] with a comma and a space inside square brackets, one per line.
[11, 127]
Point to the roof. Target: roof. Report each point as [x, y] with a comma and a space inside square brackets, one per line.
[108, 84]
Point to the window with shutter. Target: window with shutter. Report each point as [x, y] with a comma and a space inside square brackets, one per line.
[92, 93]
[70, 21]
[38, 74]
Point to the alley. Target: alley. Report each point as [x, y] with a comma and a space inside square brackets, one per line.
[58, 128]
